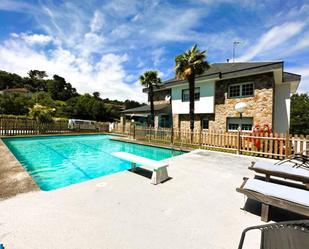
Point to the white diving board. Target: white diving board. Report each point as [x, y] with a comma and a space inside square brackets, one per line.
[159, 168]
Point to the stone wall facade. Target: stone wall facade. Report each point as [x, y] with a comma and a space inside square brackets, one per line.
[259, 106]
[182, 121]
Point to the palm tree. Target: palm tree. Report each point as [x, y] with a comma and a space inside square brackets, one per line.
[150, 80]
[189, 64]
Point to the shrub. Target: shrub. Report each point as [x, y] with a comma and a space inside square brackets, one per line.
[42, 114]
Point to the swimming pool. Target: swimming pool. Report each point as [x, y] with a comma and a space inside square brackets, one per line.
[58, 161]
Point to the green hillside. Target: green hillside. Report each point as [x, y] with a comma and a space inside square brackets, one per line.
[58, 94]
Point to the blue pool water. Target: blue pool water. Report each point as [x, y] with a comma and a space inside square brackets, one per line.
[58, 161]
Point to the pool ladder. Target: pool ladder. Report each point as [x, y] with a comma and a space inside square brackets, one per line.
[173, 147]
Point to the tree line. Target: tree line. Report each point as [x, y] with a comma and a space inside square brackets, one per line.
[300, 114]
[58, 94]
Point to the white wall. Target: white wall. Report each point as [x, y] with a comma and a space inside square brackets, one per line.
[204, 105]
[282, 108]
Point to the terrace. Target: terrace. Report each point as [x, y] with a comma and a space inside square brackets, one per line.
[197, 208]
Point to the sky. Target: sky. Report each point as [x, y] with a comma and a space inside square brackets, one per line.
[105, 46]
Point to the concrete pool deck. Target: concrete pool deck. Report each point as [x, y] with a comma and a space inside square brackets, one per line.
[14, 179]
[197, 209]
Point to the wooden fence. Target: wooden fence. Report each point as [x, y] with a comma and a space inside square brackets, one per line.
[119, 128]
[272, 145]
[26, 126]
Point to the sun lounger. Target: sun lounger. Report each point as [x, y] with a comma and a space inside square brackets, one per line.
[300, 159]
[286, 171]
[283, 235]
[159, 168]
[271, 194]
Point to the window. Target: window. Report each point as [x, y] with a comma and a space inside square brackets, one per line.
[247, 89]
[205, 124]
[186, 94]
[241, 90]
[233, 126]
[234, 91]
[244, 123]
[246, 127]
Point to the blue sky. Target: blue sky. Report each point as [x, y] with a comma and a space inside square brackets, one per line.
[105, 45]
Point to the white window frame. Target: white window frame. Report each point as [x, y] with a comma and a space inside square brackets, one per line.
[238, 121]
[195, 89]
[240, 91]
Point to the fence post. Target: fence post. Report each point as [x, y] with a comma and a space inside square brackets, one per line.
[287, 144]
[133, 131]
[200, 137]
[172, 135]
[238, 141]
[307, 145]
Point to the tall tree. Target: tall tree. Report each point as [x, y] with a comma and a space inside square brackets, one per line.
[96, 95]
[150, 80]
[14, 103]
[37, 74]
[131, 104]
[10, 80]
[60, 89]
[189, 64]
[36, 82]
[300, 114]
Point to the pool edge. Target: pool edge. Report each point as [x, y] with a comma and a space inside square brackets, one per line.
[14, 178]
[163, 146]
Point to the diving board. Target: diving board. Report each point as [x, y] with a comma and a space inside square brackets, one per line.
[158, 168]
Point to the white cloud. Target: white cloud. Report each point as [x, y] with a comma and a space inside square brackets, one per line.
[18, 6]
[304, 72]
[33, 39]
[157, 55]
[178, 26]
[92, 43]
[301, 44]
[140, 63]
[273, 38]
[107, 76]
[130, 77]
[97, 21]
[90, 38]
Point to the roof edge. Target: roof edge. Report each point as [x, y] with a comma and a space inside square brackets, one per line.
[170, 82]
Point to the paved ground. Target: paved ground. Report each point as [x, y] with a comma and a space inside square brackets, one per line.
[13, 177]
[198, 208]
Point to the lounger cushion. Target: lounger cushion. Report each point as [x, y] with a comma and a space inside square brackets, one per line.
[284, 168]
[279, 191]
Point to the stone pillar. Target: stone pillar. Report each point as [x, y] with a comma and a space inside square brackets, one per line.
[156, 121]
[176, 123]
[123, 122]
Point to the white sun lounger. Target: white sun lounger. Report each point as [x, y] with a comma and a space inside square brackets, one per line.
[285, 170]
[271, 194]
[158, 168]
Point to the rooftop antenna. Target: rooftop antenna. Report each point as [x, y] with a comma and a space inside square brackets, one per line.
[235, 43]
